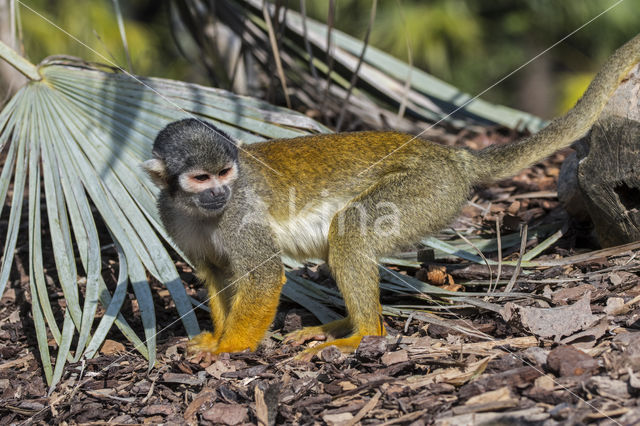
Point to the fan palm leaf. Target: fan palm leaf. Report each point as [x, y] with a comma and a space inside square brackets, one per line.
[75, 136]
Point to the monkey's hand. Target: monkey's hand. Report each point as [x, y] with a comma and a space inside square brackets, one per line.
[203, 342]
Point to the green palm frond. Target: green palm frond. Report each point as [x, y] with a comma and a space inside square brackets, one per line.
[76, 135]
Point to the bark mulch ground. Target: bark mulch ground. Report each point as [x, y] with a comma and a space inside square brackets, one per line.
[570, 355]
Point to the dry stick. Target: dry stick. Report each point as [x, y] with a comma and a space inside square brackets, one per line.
[123, 34]
[262, 411]
[367, 407]
[406, 418]
[407, 84]
[523, 244]
[330, 18]
[354, 76]
[307, 45]
[534, 252]
[611, 251]
[499, 256]
[276, 52]
[480, 253]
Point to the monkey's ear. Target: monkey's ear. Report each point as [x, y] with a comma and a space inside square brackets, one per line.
[156, 170]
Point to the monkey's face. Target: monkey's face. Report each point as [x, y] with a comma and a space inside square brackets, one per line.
[195, 165]
[207, 190]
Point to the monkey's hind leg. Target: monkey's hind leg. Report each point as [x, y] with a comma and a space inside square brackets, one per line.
[398, 209]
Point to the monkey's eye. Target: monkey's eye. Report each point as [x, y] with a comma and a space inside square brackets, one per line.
[201, 178]
[224, 172]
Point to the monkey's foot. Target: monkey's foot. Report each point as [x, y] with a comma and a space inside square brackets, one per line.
[330, 330]
[237, 344]
[346, 344]
[203, 342]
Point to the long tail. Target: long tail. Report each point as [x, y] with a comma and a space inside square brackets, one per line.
[499, 162]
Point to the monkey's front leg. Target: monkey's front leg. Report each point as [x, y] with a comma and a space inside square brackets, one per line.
[253, 308]
[219, 307]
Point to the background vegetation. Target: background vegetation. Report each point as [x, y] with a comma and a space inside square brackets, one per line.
[468, 43]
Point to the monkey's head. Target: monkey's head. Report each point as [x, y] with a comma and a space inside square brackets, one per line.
[195, 165]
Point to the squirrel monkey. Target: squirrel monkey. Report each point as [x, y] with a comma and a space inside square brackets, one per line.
[230, 209]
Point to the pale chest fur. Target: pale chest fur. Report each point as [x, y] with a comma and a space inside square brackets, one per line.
[304, 234]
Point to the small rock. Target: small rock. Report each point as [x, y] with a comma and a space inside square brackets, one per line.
[371, 347]
[228, 414]
[536, 356]
[330, 354]
[514, 207]
[569, 361]
[615, 279]
[615, 306]
[561, 411]
[292, 322]
[110, 347]
[545, 382]
[347, 386]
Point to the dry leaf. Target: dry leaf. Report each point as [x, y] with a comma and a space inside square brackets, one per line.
[551, 322]
[110, 347]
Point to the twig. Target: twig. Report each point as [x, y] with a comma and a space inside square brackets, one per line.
[407, 84]
[364, 410]
[354, 76]
[123, 34]
[276, 52]
[307, 45]
[480, 253]
[330, 18]
[499, 256]
[523, 245]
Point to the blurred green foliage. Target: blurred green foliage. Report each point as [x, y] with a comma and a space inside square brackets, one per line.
[94, 23]
[469, 43]
[473, 43]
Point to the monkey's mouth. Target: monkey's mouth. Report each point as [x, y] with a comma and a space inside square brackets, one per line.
[212, 202]
[213, 206]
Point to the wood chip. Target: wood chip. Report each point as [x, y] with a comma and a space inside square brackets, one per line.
[227, 414]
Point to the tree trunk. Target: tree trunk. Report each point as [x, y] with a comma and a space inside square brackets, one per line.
[603, 178]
